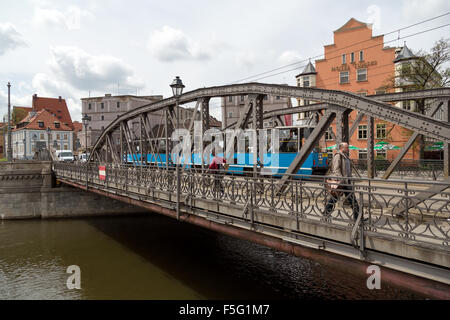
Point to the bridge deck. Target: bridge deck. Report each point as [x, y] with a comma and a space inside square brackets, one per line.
[420, 234]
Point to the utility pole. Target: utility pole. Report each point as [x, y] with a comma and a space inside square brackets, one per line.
[9, 123]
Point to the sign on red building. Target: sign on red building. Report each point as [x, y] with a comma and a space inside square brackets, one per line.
[102, 172]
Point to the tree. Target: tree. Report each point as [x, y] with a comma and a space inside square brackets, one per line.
[423, 71]
[17, 116]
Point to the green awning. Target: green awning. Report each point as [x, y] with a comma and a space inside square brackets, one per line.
[350, 147]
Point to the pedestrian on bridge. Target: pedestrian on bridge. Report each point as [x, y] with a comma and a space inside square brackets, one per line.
[341, 166]
[216, 167]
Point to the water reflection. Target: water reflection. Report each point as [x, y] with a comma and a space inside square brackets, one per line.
[155, 257]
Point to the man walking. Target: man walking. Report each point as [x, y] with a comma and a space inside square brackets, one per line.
[341, 167]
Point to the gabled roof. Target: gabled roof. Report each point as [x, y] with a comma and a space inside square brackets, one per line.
[405, 54]
[55, 106]
[46, 117]
[353, 24]
[77, 126]
[309, 69]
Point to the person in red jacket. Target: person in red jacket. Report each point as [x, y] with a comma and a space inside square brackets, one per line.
[217, 162]
[216, 166]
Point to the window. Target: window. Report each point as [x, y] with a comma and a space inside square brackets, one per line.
[361, 55]
[230, 99]
[305, 81]
[118, 104]
[65, 136]
[406, 104]
[58, 136]
[343, 77]
[343, 59]
[242, 98]
[306, 102]
[362, 154]
[328, 135]
[89, 106]
[352, 57]
[66, 147]
[361, 74]
[266, 97]
[230, 114]
[57, 125]
[41, 124]
[306, 114]
[102, 105]
[381, 131]
[278, 97]
[380, 91]
[103, 117]
[381, 155]
[41, 137]
[362, 131]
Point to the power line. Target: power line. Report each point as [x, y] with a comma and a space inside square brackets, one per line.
[353, 44]
[372, 46]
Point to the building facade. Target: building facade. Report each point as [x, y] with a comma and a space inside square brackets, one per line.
[232, 108]
[103, 110]
[36, 131]
[358, 62]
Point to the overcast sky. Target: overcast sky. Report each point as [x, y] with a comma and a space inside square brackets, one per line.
[76, 48]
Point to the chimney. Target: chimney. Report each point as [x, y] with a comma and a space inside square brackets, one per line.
[59, 99]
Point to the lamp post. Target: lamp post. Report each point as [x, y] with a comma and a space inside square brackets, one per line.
[17, 150]
[85, 121]
[4, 141]
[34, 143]
[24, 147]
[48, 141]
[177, 89]
[9, 123]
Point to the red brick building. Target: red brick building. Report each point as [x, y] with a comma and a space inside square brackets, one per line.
[358, 62]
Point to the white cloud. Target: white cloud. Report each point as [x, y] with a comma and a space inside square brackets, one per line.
[374, 16]
[246, 59]
[415, 10]
[10, 38]
[70, 19]
[169, 44]
[289, 57]
[74, 72]
[88, 72]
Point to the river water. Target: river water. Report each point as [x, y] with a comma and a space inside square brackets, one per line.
[155, 257]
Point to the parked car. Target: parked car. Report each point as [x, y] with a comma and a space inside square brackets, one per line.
[64, 155]
[82, 157]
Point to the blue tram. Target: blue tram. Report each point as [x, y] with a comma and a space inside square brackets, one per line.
[290, 142]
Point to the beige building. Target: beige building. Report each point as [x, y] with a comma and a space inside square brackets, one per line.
[103, 110]
[232, 107]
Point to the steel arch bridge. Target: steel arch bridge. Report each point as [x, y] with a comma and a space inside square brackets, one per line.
[408, 226]
[332, 105]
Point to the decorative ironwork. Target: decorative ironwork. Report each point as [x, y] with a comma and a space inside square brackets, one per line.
[396, 209]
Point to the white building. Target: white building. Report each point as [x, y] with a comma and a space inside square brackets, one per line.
[36, 131]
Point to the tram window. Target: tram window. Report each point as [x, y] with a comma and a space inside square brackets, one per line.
[161, 146]
[289, 140]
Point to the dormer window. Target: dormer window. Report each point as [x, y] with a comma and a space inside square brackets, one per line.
[57, 125]
[41, 124]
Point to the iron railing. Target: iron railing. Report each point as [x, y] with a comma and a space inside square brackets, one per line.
[399, 209]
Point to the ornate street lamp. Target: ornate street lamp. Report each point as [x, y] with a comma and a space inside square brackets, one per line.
[48, 138]
[9, 151]
[24, 148]
[85, 121]
[177, 89]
